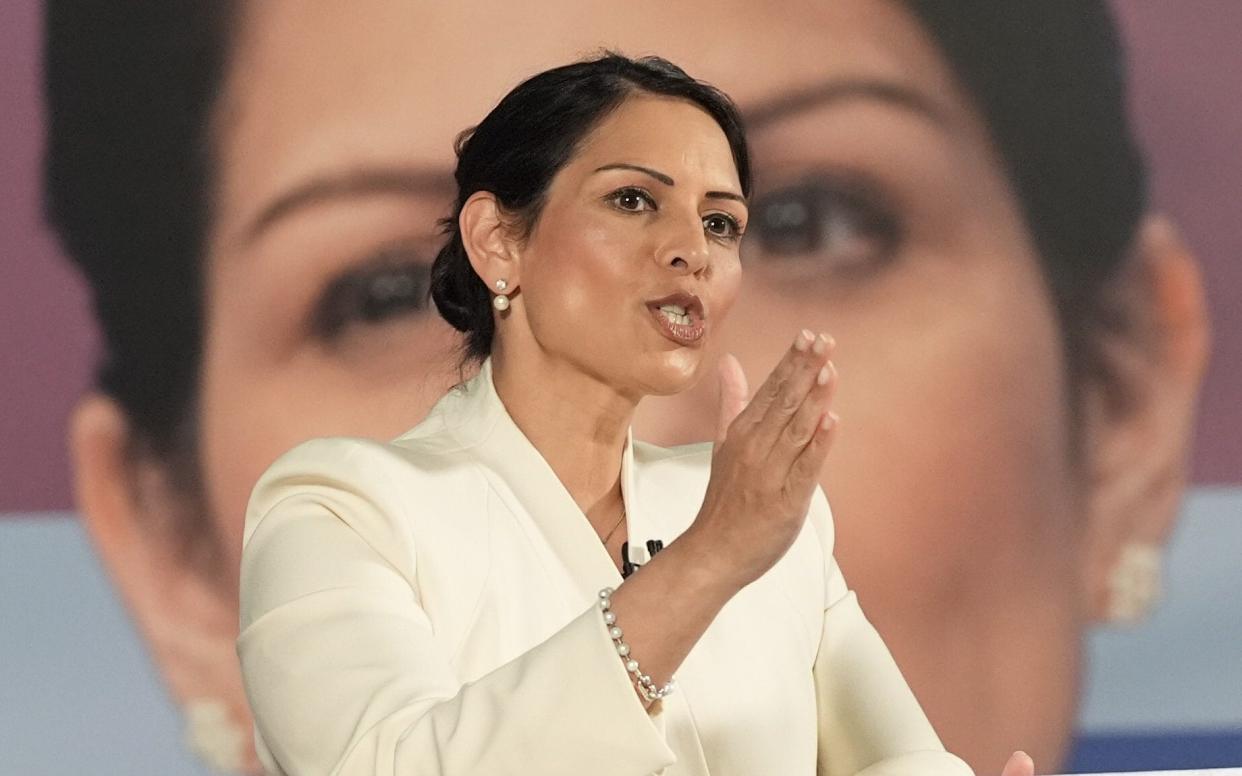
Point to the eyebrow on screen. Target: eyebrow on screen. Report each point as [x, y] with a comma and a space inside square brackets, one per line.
[791, 103]
[668, 181]
[358, 182]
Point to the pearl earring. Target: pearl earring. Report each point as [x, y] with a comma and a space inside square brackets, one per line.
[500, 301]
[1135, 584]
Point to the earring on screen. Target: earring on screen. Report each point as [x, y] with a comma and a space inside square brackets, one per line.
[1135, 584]
[501, 300]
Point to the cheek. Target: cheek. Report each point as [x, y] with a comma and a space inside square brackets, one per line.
[950, 476]
[579, 275]
[726, 282]
[257, 404]
[950, 479]
[952, 457]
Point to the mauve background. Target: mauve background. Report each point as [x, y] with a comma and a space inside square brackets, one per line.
[1186, 57]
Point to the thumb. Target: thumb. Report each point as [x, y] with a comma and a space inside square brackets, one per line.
[1020, 764]
[734, 393]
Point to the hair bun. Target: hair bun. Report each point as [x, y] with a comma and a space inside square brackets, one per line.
[458, 293]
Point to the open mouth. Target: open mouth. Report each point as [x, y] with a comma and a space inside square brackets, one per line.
[679, 317]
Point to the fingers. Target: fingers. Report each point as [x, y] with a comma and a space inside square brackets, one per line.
[805, 469]
[1020, 764]
[734, 393]
[771, 388]
[806, 419]
[788, 395]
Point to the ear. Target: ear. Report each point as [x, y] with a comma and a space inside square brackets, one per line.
[490, 241]
[1139, 419]
[187, 616]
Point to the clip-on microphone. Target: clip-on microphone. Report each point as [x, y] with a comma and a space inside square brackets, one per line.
[628, 566]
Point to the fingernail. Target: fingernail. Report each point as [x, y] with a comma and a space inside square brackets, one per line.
[803, 341]
[821, 345]
[823, 376]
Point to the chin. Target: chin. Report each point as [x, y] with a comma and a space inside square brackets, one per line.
[672, 372]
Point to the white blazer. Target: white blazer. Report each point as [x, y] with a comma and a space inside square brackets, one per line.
[428, 607]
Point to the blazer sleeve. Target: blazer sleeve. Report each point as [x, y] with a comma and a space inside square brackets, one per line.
[870, 723]
[342, 666]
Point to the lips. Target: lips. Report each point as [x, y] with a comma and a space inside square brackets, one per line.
[680, 317]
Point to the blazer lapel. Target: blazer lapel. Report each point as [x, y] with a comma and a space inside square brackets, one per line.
[478, 420]
[483, 425]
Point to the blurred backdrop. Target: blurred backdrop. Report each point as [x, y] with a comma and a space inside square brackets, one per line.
[79, 692]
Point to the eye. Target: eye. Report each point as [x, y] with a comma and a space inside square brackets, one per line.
[394, 283]
[632, 200]
[837, 224]
[722, 225]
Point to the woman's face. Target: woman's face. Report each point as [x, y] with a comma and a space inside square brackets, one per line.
[881, 215]
[634, 257]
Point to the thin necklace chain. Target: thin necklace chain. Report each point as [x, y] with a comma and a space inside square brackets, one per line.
[615, 527]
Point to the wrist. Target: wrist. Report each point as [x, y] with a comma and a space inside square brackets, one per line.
[707, 573]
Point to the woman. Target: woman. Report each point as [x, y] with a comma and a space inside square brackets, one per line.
[174, 128]
[430, 605]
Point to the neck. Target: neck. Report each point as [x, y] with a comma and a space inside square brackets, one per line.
[577, 422]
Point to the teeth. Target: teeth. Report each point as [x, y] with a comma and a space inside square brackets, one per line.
[683, 320]
[675, 309]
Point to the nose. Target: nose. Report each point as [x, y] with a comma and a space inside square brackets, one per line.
[684, 247]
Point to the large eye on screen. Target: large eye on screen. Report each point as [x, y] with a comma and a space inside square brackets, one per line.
[839, 226]
[391, 285]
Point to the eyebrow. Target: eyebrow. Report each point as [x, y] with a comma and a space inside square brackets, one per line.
[661, 177]
[667, 181]
[356, 182]
[791, 103]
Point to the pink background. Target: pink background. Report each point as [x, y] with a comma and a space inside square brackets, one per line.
[1185, 59]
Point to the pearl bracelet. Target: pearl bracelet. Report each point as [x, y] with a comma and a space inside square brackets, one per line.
[646, 686]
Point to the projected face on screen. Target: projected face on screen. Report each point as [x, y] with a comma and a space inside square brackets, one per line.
[968, 512]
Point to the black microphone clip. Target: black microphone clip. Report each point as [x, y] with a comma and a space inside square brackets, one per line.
[628, 566]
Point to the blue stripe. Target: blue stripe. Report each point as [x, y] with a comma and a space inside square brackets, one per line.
[1157, 750]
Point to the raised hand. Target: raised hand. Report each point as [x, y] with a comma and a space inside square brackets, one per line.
[767, 459]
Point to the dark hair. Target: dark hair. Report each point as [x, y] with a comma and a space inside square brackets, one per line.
[131, 89]
[533, 132]
[1048, 78]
